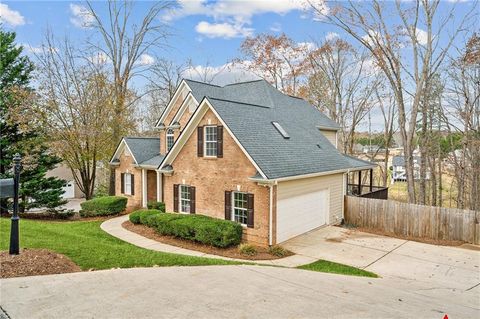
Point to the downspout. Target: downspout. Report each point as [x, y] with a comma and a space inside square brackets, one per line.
[270, 218]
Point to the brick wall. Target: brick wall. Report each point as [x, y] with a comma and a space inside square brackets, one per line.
[213, 176]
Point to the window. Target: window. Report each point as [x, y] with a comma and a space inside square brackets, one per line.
[211, 141]
[184, 199]
[128, 184]
[170, 139]
[240, 213]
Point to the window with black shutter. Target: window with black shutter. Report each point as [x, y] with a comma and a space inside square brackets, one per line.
[220, 141]
[122, 183]
[192, 199]
[175, 197]
[242, 208]
[200, 141]
[228, 205]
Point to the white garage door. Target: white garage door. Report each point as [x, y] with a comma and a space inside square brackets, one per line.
[300, 213]
[69, 190]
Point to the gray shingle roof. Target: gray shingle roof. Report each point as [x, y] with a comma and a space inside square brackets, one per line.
[400, 160]
[358, 163]
[249, 109]
[146, 150]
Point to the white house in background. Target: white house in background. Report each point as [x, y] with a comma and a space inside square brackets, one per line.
[399, 170]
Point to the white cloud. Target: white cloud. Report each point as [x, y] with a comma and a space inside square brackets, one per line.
[10, 17]
[81, 17]
[99, 58]
[276, 27]
[145, 59]
[223, 30]
[332, 36]
[237, 14]
[422, 36]
[221, 75]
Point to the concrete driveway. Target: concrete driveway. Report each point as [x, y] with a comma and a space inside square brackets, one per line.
[220, 292]
[451, 274]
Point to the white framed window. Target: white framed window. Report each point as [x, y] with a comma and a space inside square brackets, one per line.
[184, 198]
[210, 141]
[170, 139]
[128, 184]
[239, 208]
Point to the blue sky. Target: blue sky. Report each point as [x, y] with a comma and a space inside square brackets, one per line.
[205, 31]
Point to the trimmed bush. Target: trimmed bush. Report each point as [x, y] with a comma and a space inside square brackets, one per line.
[103, 206]
[141, 216]
[247, 249]
[278, 251]
[156, 205]
[203, 229]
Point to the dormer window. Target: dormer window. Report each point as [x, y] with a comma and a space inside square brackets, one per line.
[170, 139]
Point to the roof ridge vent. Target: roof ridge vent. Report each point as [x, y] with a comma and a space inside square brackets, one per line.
[281, 130]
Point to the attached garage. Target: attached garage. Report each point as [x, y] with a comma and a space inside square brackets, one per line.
[306, 204]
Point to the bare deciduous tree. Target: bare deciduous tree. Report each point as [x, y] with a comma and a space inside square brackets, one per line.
[124, 43]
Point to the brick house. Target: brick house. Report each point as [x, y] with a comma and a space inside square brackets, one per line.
[244, 152]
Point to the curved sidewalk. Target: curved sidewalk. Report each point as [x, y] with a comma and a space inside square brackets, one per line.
[114, 227]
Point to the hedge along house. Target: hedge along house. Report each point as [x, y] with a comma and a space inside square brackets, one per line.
[243, 152]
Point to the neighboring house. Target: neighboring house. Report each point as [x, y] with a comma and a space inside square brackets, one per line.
[72, 190]
[399, 172]
[243, 152]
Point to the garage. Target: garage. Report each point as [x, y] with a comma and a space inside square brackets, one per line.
[300, 208]
[69, 190]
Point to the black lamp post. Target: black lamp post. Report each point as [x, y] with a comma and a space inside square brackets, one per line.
[14, 238]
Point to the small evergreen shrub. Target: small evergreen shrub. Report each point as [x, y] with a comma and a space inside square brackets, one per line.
[277, 251]
[141, 216]
[156, 205]
[203, 229]
[247, 249]
[103, 206]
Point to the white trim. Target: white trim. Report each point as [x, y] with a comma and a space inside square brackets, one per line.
[270, 217]
[190, 128]
[115, 155]
[144, 187]
[205, 141]
[172, 101]
[159, 186]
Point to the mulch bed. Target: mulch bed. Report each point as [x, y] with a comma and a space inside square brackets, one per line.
[33, 262]
[232, 252]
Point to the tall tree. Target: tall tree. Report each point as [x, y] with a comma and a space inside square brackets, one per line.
[21, 133]
[277, 59]
[370, 24]
[124, 43]
[348, 81]
[76, 108]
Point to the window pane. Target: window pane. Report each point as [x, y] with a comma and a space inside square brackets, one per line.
[184, 199]
[240, 207]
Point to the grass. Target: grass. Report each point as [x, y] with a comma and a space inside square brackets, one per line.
[335, 268]
[91, 248]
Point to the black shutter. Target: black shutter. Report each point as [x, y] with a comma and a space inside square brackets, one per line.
[250, 211]
[219, 141]
[228, 205]
[132, 185]
[175, 197]
[200, 141]
[122, 180]
[192, 200]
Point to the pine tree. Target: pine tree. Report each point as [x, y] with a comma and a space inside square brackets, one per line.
[19, 134]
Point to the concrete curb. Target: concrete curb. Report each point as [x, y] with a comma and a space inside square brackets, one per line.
[114, 227]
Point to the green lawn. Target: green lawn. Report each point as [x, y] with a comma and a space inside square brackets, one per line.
[91, 248]
[334, 268]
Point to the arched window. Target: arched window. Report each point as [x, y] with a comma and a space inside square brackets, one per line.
[170, 139]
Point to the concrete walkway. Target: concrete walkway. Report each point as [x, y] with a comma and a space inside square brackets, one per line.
[224, 292]
[114, 227]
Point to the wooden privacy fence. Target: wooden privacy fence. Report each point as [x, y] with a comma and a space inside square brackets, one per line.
[413, 220]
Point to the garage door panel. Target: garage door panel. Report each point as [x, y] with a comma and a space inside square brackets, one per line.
[301, 213]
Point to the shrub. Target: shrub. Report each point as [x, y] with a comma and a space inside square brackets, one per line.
[102, 206]
[141, 216]
[247, 249]
[156, 205]
[277, 251]
[203, 229]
